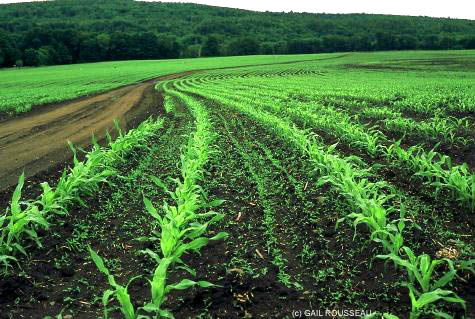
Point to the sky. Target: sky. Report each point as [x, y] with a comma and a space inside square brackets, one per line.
[462, 9]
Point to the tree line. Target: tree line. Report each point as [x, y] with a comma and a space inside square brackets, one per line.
[76, 31]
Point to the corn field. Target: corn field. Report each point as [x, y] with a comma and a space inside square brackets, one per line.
[264, 192]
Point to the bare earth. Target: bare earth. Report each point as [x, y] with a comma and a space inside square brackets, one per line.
[39, 139]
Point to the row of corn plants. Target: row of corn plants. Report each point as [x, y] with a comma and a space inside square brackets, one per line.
[440, 125]
[372, 202]
[21, 220]
[410, 93]
[167, 98]
[440, 128]
[179, 229]
[436, 170]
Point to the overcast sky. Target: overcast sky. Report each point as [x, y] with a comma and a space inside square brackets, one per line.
[464, 9]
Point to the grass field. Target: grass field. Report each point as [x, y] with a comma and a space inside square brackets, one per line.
[338, 186]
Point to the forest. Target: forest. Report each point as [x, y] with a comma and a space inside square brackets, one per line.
[73, 31]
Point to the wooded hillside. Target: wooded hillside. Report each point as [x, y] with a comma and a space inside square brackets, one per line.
[73, 31]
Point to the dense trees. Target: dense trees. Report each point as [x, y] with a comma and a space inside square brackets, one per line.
[9, 54]
[211, 46]
[243, 46]
[72, 31]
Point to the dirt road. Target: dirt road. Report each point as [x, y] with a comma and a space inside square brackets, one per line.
[38, 140]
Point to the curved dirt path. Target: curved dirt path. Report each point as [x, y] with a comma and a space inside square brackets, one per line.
[39, 139]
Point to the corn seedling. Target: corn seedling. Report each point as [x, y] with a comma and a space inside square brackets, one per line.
[160, 289]
[18, 224]
[48, 201]
[118, 291]
[418, 304]
[424, 289]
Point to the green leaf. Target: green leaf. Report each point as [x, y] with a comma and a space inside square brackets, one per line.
[106, 296]
[205, 284]
[126, 305]
[443, 315]
[215, 203]
[197, 243]
[221, 235]
[159, 183]
[187, 269]
[153, 255]
[146, 239]
[182, 285]
[445, 279]
[430, 297]
[158, 281]
[17, 194]
[456, 299]
[160, 312]
[20, 248]
[338, 222]
[98, 261]
[152, 210]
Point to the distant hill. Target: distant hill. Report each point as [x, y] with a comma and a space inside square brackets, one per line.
[72, 31]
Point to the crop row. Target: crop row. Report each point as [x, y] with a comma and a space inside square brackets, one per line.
[20, 222]
[373, 202]
[434, 168]
[408, 92]
[179, 229]
[439, 127]
[24, 88]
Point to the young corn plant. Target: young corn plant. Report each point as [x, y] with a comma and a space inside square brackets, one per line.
[84, 177]
[18, 224]
[159, 287]
[392, 237]
[179, 225]
[49, 203]
[388, 233]
[118, 292]
[182, 227]
[424, 289]
[133, 139]
[438, 171]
